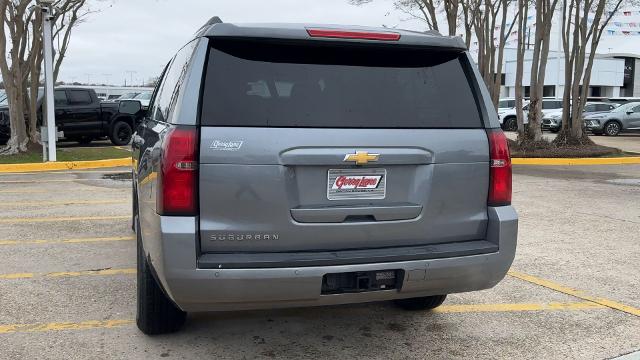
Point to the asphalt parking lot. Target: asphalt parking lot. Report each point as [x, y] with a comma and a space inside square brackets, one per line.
[67, 282]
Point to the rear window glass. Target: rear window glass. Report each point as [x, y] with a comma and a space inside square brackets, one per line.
[265, 84]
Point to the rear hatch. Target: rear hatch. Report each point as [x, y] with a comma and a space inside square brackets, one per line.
[326, 146]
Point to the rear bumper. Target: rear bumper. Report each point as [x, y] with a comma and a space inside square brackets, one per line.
[197, 289]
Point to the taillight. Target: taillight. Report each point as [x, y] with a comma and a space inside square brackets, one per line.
[354, 34]
[177, 178]
[499, 169]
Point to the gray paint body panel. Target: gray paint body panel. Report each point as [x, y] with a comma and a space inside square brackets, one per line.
[194, 289]
[302, 146]
[275, 182]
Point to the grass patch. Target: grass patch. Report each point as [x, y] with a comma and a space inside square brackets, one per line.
[546, 149]
[67, 154]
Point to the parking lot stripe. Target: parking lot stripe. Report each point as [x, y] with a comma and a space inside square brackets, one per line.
[62, 219]
[16, 276]
[29, 181]
[98, 324]
[517, 307]
[66, 241]
[36, 191]
[576, 293]
[64, 274]
[85, 325]
[62, 202]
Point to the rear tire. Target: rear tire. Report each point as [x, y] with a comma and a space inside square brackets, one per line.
[421, 303]
[121, 133]
[156, 313]
[510, 124]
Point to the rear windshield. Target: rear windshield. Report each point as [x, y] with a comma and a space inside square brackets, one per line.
[264, 84]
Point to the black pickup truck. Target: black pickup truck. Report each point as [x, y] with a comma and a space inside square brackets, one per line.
[83, 118]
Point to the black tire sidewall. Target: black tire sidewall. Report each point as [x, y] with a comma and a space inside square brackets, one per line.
[116, 129]
[511, 124]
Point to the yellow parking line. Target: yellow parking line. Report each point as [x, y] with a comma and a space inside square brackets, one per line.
[576, 293]
[85, 325]
[29, 181]
[61, 219]
[63, 202]
[517, 307]
[64, 274]
[99, 324]
[66, 241]
[48, 191]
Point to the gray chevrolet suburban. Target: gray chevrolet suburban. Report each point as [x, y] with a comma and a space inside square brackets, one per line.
[305, 165]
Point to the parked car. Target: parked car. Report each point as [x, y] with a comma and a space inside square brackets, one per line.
[364, 170]
[552, 120]
[623, 118]
[624, 100]
[82, 117]
[508, 118]
[506, 104]
[144, 98]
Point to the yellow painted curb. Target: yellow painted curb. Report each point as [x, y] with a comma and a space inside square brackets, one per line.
[95, 164]
[64, 165]
[577, 161]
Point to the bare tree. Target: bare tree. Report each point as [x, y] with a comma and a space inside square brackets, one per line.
[68, 14]
[16, 18]
[522, 20]
[492, 39]
[21, 70]
[426, 11]
[544, 17]
[580, 38]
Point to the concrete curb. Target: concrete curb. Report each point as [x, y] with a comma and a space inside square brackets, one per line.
[577, 161]
[95, 164]
[64, 165]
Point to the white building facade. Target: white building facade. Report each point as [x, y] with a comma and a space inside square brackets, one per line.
[612, 75]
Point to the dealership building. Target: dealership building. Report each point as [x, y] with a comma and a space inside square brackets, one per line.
[612, 75]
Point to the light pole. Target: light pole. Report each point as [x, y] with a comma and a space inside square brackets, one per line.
[47, 17]
[131, 73]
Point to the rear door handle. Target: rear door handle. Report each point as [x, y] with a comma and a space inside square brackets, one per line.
[341, 214]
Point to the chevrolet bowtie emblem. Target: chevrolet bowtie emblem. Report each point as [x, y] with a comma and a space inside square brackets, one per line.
[361, 157]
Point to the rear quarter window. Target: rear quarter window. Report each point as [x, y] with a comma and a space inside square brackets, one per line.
[79, 97]
[339, 86]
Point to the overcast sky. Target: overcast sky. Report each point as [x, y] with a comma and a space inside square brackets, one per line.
[142, 35]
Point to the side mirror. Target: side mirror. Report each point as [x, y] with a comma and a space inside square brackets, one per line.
[130, 107]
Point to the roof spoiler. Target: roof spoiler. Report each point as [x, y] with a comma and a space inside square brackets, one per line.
[213, 20]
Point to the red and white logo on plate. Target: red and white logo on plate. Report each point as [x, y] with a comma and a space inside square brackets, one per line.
[352, 182]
